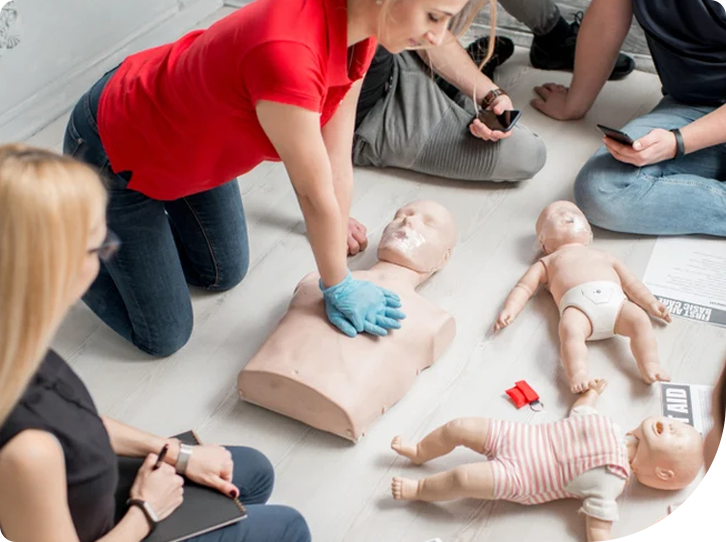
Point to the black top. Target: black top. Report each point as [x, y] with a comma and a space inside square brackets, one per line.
[687, 39]
[375, 83]
[56, 401]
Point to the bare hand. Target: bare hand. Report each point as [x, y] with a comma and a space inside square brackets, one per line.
[656, 146]
[482, 131]
[506, 317]
[659, 310]
[212, 466]
[552, 101]
[357, 237]
[162, 488]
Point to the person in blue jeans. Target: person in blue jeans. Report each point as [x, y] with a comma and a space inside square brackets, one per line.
[671, 180]
[59, 472]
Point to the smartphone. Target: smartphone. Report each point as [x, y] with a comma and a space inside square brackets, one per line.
[617, 135]
[503, 122]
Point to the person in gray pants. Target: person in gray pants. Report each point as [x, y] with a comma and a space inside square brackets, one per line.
[406, 120]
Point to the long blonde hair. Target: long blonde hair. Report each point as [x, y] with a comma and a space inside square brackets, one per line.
[47, 205]
[461, 22]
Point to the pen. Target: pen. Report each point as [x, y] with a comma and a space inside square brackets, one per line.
[162, 455]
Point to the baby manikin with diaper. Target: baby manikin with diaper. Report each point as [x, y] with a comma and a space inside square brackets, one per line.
[598, 297]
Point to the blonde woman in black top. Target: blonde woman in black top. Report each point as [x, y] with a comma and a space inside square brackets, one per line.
[58, 464]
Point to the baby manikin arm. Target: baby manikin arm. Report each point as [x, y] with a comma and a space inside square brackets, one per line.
[598, 529]
[639, 292]
[520, 294]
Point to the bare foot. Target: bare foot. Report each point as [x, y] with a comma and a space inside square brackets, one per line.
[580, 382]
[654, 373]
[404, 489]
[406, 450]
[599, 385]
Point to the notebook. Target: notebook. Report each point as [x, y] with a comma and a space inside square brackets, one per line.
[203, 510]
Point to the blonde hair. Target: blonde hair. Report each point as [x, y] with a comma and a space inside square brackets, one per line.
[48, 204]
[461, 22]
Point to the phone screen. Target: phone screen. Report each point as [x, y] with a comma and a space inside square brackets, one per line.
[503, 122]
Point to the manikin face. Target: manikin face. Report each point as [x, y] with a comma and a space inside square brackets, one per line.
[670, 453]
[420, 237]
[562, 223]
[414, 24]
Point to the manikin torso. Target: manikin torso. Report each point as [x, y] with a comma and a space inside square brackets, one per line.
[574, 265]
[309, 371]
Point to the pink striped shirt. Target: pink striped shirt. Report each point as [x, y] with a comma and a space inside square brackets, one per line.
[534, 464]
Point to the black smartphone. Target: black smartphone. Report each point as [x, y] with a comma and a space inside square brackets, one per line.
[503, 122]
[617, 135]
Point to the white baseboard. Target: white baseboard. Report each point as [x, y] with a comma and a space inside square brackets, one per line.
[49, 103]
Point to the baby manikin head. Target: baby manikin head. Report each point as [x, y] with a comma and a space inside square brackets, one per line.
[562, 223]
[669, 454]
[420, 237]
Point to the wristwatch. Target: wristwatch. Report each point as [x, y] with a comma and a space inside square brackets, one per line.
[151, 516]
[680, 145]
[182, 462]
[492, 95]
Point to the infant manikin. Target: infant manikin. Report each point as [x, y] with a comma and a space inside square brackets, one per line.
[309, 371]
[584, 456]
[598, 297]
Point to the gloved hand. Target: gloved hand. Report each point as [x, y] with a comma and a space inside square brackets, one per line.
[356, 306]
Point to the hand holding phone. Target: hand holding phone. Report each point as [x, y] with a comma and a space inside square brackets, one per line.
[617, 135]
[503, 123]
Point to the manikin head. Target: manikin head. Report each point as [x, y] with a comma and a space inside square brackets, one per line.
[669, 454]
[562, 223]
[420, 237]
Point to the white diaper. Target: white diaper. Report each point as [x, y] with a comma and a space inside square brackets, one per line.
[600, 301]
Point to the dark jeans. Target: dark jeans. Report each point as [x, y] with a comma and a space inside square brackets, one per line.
[200, 240]
[254, 477]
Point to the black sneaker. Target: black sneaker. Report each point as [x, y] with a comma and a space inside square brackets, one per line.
[546, 55]
[503, 49]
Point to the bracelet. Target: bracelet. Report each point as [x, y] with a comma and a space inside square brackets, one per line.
[680, 145]
[182, 462]
[149, 513]
[492, 95]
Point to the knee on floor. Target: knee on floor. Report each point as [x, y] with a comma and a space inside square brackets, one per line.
[600, 192]
[170, 341]
[230, 275]
[524, 154]
[295, 527]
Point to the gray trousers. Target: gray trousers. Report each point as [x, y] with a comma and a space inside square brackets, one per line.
[418, 127]
[540, 16]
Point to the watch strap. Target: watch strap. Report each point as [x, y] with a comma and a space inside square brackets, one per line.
[680, 145]
[182, 462]
[146, 509]
[492, 95]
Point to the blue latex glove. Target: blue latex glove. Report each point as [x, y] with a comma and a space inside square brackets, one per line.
[356, 306]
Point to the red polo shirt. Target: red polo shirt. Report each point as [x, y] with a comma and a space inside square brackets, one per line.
[181, 117]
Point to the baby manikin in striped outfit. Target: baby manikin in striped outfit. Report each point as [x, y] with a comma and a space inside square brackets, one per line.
[585, 456]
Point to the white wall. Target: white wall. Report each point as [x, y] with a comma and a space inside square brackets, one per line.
[62, 46]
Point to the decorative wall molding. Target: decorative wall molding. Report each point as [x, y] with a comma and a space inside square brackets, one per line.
[8, 16]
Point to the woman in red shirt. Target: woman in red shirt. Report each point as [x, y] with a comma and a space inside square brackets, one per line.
[169, 128]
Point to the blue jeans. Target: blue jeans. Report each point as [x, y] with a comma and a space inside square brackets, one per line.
[675, 197]
[200, 240]
[254, 476]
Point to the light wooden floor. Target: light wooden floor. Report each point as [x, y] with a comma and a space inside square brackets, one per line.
[342, 489]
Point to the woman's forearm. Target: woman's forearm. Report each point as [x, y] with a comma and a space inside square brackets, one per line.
[603, 31]
[325, 228]
[705, 132]
[451, 61]
[131, 442]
